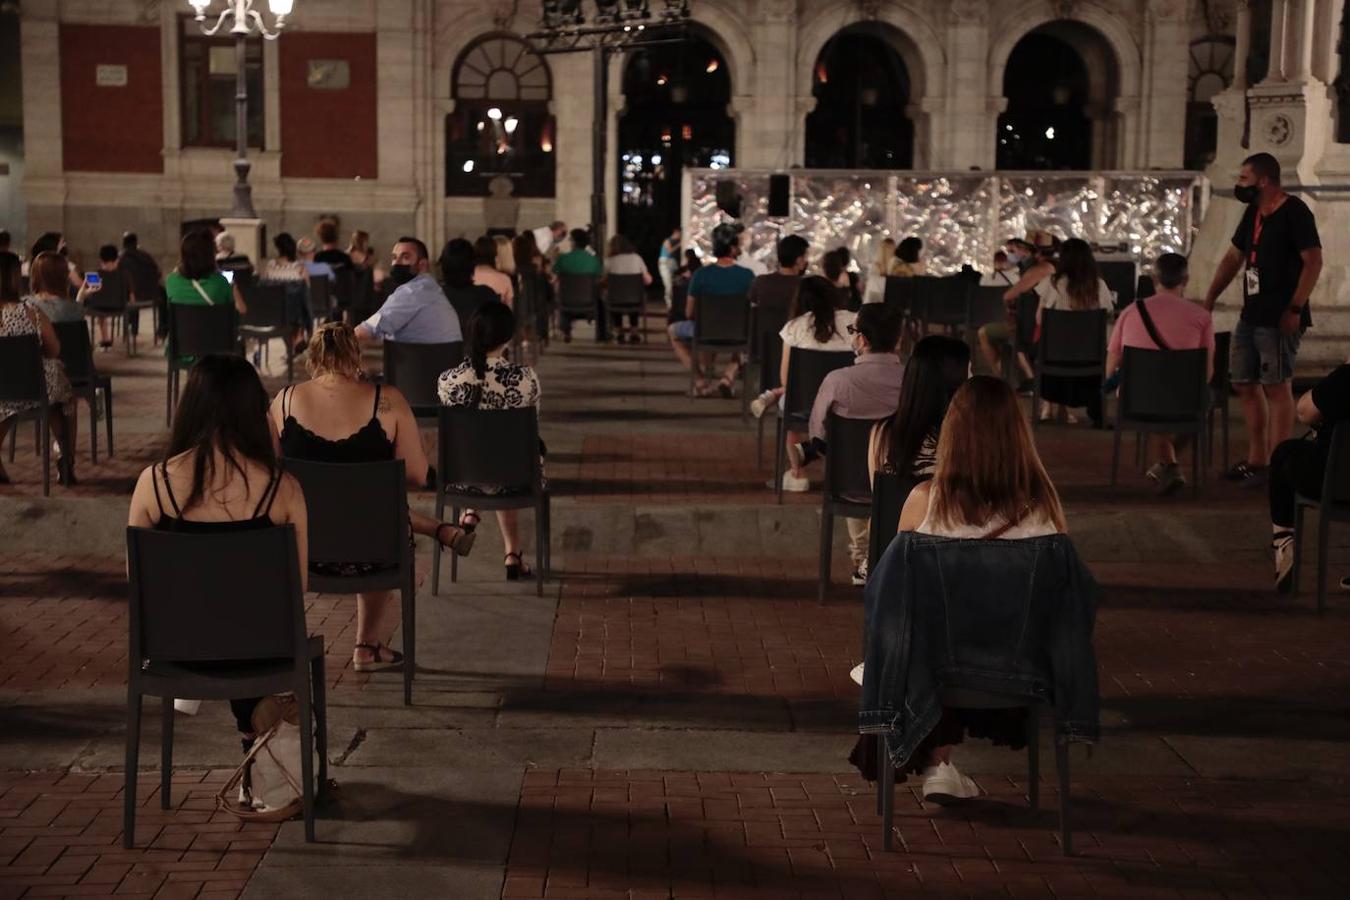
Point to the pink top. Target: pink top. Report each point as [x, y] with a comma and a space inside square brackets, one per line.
[1184, 325]
[498, 281]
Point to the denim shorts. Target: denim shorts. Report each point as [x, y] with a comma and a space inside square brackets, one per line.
[1261, 354]
[683, 330]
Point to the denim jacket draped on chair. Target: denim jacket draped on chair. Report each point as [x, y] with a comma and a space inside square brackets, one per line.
[1006, 616]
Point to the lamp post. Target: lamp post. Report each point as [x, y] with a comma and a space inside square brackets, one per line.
[613, 25]
[244, 21]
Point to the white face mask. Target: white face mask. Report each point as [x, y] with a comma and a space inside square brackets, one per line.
[1013, 257]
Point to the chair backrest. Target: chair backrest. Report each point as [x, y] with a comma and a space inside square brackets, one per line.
[1025, 316]
[199, 330]
[806, 370]
[987, 306]
[1223, 344]
[770, 359]
[889, 492]
[143, 278]
[722, 318]
[21, 374]
[358, 512]
[77, 351]
[1121, 276]
[363, 302]
[320, 296]
[948, 300]
[488, 447]
[1073, 337]
[112, 297]
[625, 292]
[903, 292]
[1336, 481]
[204, 597]
[1163, 384]
[266, 302]
[846, 462]
[344, 282]
[576, 294]
[415, 368]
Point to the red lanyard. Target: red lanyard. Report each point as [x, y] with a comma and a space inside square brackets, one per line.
[1256, 235]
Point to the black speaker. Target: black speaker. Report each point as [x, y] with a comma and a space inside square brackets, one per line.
[729, 198]
[780, 196]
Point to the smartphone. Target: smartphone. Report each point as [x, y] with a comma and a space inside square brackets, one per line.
[93, 279]
[229, 275]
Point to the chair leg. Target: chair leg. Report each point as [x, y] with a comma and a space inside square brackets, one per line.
[759, 446]
[45, 435]
[306, 752]
[826, 554]
[745, 388]
[1223, 430]
[1323, 539]
[454, 557]
[1299, 510]
[1034, 757]
[319, 687]
[168, 397]
[539, 551]
[1195, 461]
[166, 753]
[548, 534]
[1065, 822]
[886, 776]
[409, 637]
[93, 426]
[1115, 453]
[436, 547]
[108, 415]
[778, 453]
[132, 767]
[13, 442]
[881, 784]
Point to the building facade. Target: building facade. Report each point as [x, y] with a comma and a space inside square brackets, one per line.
[434, 117]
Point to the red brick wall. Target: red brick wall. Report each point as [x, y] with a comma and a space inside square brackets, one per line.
[328, 133]
[111, 129]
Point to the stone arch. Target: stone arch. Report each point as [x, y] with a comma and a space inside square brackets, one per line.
[729, 34]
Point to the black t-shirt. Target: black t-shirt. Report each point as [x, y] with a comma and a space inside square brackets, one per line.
[1331, 396]
[334, 258]
[1285, 234]
[772, 295]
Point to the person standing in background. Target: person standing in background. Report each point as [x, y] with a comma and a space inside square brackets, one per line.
[667, 262]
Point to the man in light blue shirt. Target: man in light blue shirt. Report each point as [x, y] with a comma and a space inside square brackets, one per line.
[417, 312]
[306, 249]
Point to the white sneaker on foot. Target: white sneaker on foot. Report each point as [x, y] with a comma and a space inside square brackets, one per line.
[1284, 564]
[760, 404]
[857, 673]
[944, 783]
[794, 485]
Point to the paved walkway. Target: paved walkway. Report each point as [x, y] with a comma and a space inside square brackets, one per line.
[673, 718]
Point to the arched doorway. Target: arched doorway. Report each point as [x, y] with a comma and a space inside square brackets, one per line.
[1061, 82]
[1211, 71]
[862, 88]
[675, 117]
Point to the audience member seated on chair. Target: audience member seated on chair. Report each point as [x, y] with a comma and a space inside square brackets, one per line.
[226, 255]
[1299, 465]
[1077, 286]
[108, 261]
[1034, 260]
[577, 261]
[287, 268]
[819, 322]
[458, 263]
[884, 265]
[140, 272]
[305, 250]
[1003, 275]
[722, 279]
[359, 251]
[531, 288]
[417, 312]
[197, 281]
[1178, 324]
[339, 417]
[487, 380]
[908, 263]
[771, 295]
[48, 288]
[989, 484]
[834, 266]
[221, 473]
[622, 258]
[330, 253]
[907, 442]
[23, 317]
[486, 273]
[869, 389]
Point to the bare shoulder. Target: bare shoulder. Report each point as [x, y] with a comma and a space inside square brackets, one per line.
[391, 400]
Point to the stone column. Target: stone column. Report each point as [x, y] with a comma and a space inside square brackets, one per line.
[968, 124]
[769, 131]
[1166, 57]
[1302, 45]
[44, 184]
[1279, 14]
[1242, 45]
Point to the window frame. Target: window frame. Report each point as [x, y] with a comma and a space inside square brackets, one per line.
[203, 119]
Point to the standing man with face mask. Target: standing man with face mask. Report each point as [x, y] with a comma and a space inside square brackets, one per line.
[417, 312]
[1278, 251]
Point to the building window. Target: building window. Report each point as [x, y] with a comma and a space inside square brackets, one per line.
[1211, 71]
[207, 80]
[501, 124]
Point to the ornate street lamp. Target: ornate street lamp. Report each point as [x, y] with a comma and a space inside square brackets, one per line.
[244, 21]
[612, 25]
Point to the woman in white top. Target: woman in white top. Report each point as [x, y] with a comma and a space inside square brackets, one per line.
[1075, 286]
[875, 291]
[622, 258]
[989, 484]
[286, 267]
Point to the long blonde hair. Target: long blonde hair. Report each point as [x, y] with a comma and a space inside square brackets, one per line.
[885, 256]
[334, 350]
[506, 257]
[987, 466]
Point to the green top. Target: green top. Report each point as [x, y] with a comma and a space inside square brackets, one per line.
[579, 262]
[214, 286]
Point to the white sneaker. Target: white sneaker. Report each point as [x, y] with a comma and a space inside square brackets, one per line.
[1154, 472]
[760, 404]
[1284, 564]
[794, 485]
[944, 783]
[857, 673]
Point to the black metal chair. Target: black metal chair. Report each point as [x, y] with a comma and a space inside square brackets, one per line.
[627, 295]
[1122, 277]
[492, 448]
[1163, 392]
[770, 359]
[1024, 332]
[948, 303]
[77, 355]
[961, 698]
[1221, 392]
[576, 299]
[358, 513]
[363, 302]
[904, 294]
[889, 492]
[806, 370]
[986, 308]
[196, 331]
[1332, 506]
[722, 325]
[146, 294]
[319, 295]
[205, 627]
[415, 369]
[847, 491]
[1073, 345]
[111, 303]
[22, 380]
[268, 318]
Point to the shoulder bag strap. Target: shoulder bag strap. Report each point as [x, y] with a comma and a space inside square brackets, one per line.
[1149, 326]
[205, 296]
[1005, 527]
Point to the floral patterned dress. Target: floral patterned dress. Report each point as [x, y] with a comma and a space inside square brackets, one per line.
[17, 319]
[504, 385]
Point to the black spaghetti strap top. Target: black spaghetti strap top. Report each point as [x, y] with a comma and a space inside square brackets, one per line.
[368, 444]
[262, 517]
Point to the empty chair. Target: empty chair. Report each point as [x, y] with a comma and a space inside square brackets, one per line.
[1122, 277]
[358, 515]
[1221, 391]
[626, 295]
[948, 304]
[481, 450]
[1332, 506]
[806, 370]
[269, 318]
[146, 294]
[77, 355]
[903, 293]
[576, 299]
[1163, 392]
[204, 627]
[847, 491]
[986, 308]
[415, 368]
[770, 356]
[196, 331]
[363, 302]
[23, 381]
[1072, 345]
[721, 325]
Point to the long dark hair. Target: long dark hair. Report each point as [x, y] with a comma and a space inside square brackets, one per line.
[490, 326]
[815, 295]
[10, 267]
[939, 366]
[1076, 274]
[285, 245]
[526, 251]
[224, 408]
[457, 262]
[197, 254]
